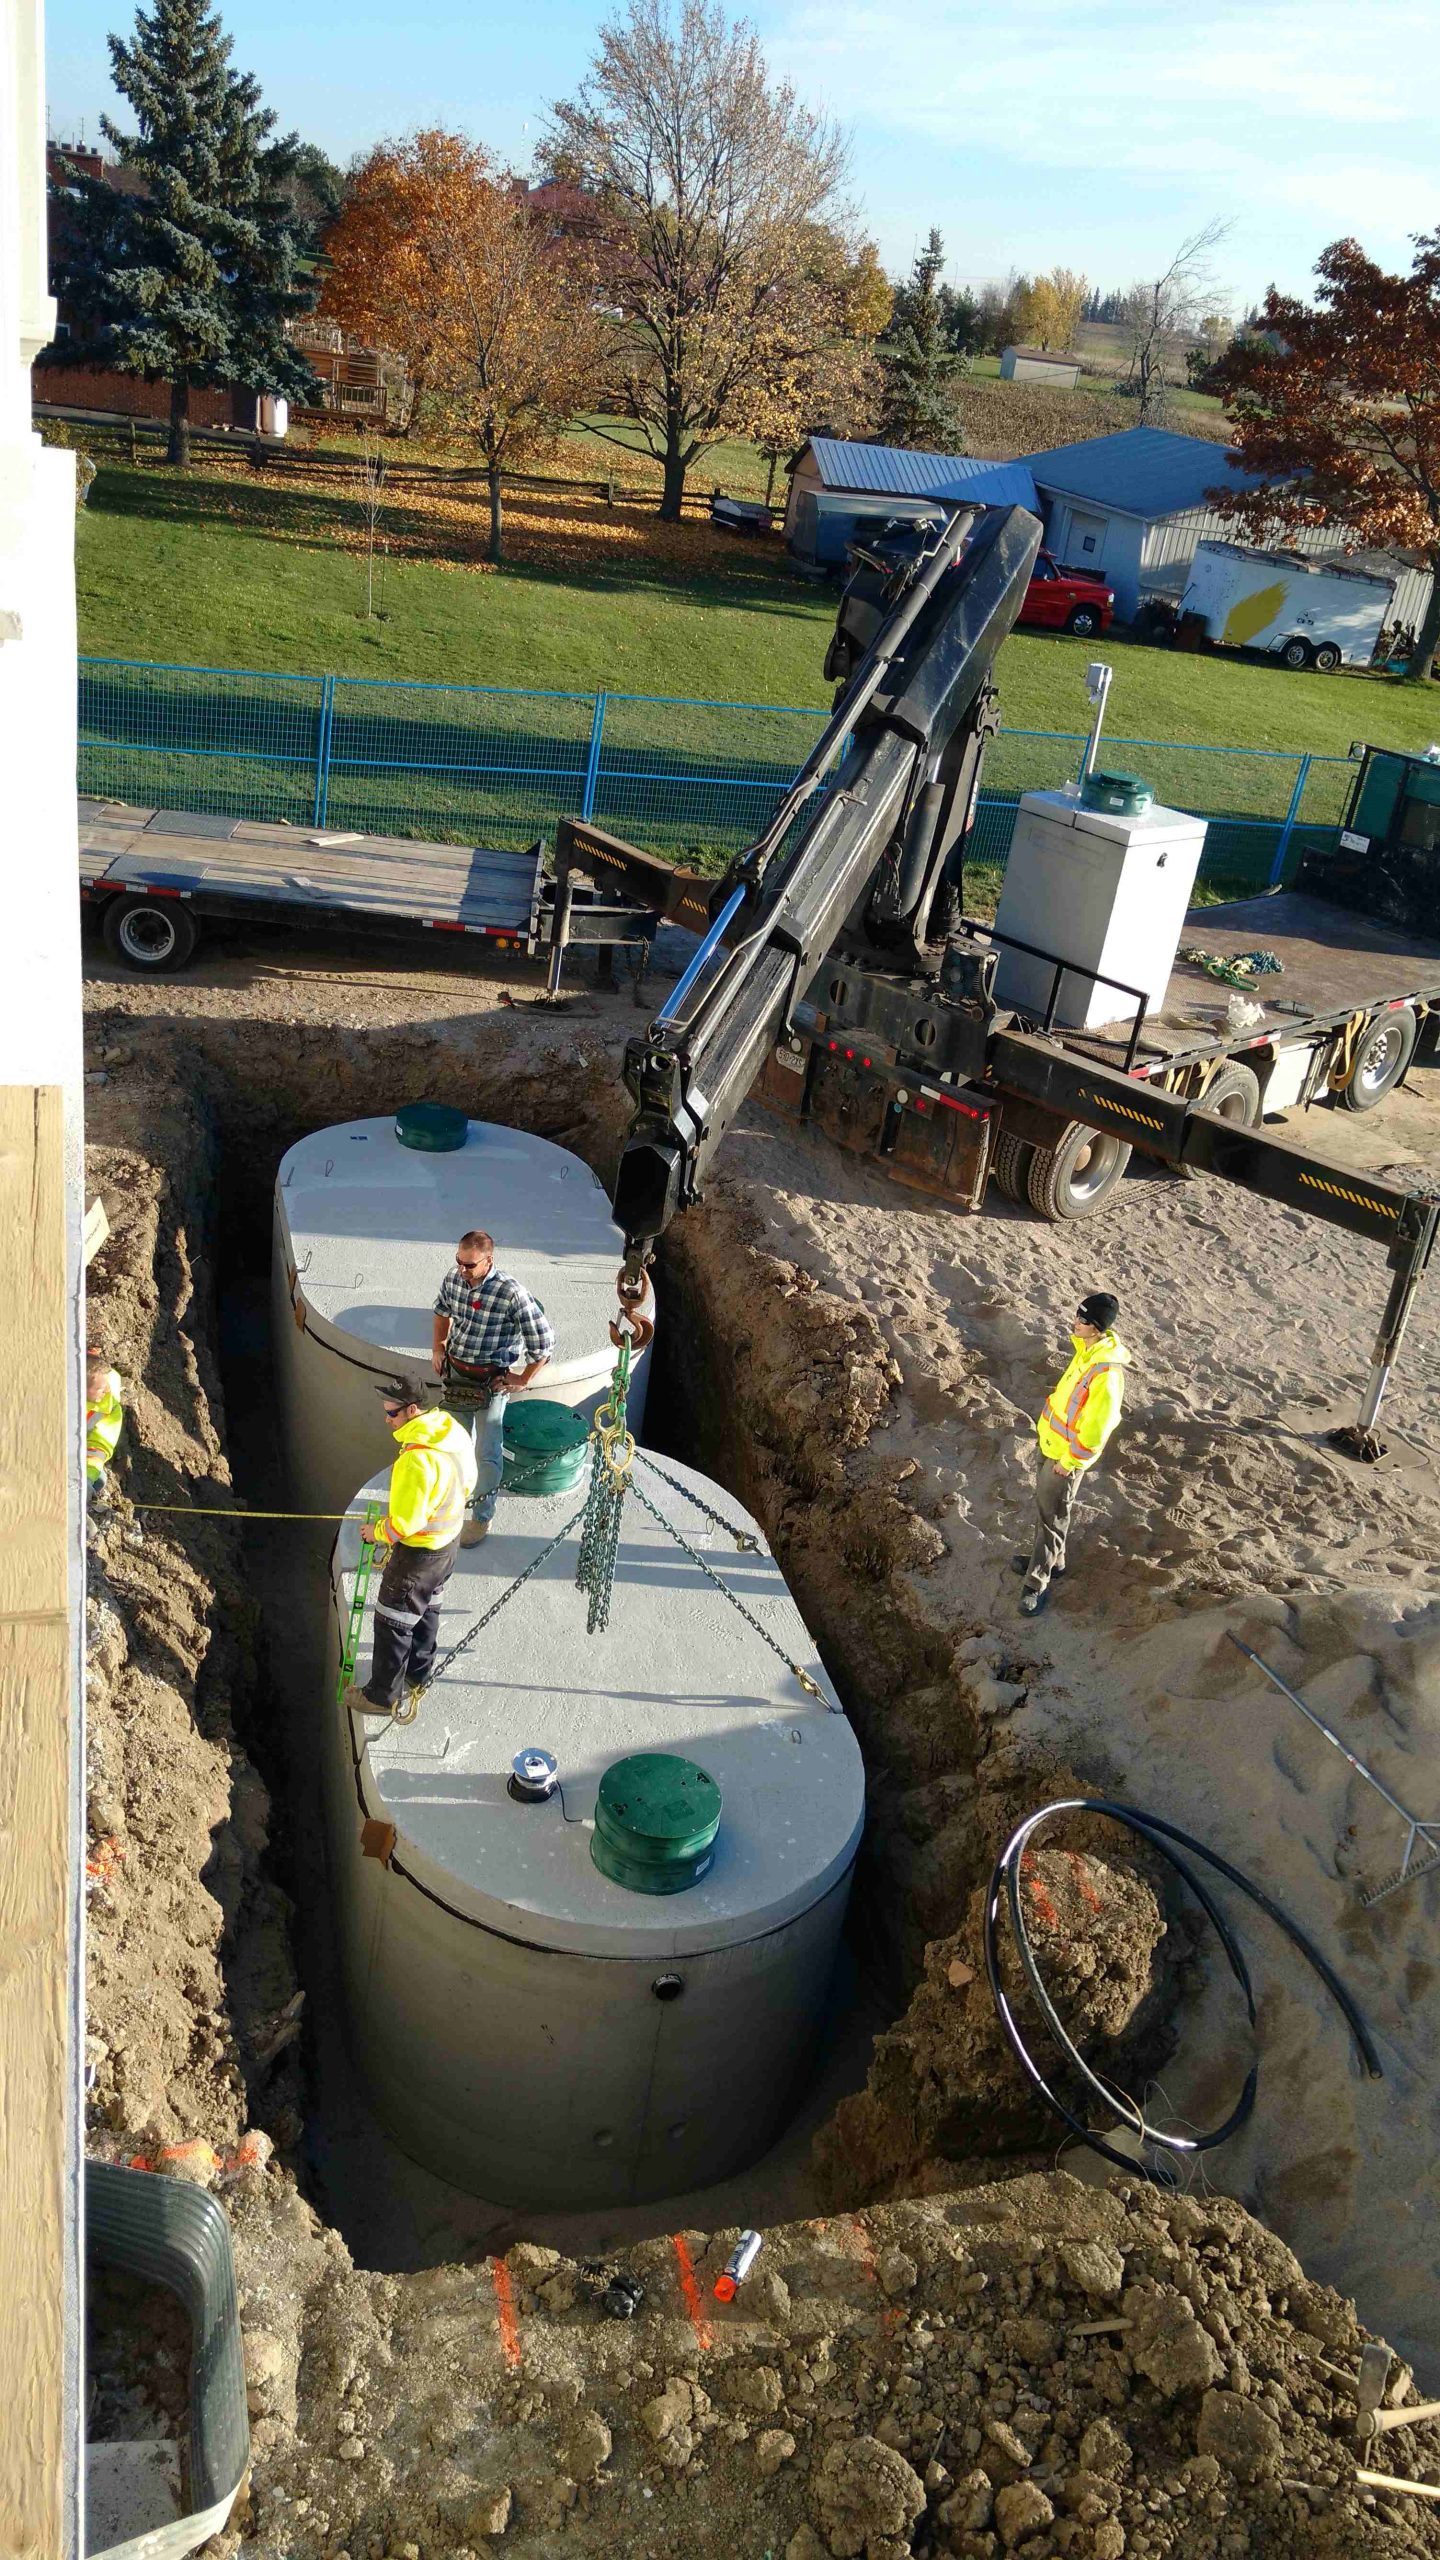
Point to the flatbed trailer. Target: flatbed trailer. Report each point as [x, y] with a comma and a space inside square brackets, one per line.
[1352, 1002]
[156, 874]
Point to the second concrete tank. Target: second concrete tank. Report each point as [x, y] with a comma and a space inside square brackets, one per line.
[365, 1230]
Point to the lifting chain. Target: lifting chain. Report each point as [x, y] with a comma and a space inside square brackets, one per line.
[611, 1467]
[811, 1687]
[464, 1643]
[747, 1545]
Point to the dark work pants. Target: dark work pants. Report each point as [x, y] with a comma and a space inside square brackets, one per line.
[407, 1620]
[1055, 1490]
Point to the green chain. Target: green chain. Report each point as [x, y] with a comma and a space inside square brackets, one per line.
[747, 1545]
[811, 1687]
[464, 1642]
[611, 1464]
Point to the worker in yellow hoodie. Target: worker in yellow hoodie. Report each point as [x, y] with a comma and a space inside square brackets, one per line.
[104, 1415]
[431, 1483]
[1076, 1420]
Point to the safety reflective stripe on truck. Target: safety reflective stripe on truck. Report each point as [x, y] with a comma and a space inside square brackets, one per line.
[928, 1093]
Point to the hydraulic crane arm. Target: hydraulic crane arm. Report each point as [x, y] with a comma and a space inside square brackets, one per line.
[876, 852]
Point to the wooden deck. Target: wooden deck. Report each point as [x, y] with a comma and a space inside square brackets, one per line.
[228, 863]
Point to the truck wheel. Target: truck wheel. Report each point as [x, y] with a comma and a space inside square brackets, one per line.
[1327, 658]
[1084, 622]
[154, 934]
[1381, 1058]
[1235, 1094]
[1010, 1165]
[1070, 1179]
[1295, 654]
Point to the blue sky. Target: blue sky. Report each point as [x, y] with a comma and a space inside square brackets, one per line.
[1090, 133]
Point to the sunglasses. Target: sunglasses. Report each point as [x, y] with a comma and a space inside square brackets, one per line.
[477, 1265]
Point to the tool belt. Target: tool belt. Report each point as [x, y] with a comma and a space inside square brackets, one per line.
[473, 1387]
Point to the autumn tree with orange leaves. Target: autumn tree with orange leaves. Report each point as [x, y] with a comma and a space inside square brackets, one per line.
[439, 257]
[1338, 404]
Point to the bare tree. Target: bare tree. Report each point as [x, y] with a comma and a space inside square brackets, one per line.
[370, 477]
[1161, 312]
[706, 179]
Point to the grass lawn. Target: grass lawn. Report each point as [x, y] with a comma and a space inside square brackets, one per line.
[213, 568]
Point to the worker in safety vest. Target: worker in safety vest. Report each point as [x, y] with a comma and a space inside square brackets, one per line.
[1077, 1419]
[104, 1414]
[430, 1484]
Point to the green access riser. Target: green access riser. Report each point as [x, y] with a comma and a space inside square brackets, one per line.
[367, 1216]
[607, 1986]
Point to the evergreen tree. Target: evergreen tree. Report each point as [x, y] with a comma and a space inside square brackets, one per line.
[961, 321]
[191, 277]
[922, 366]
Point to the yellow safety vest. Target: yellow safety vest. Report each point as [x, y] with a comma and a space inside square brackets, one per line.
[103, 1418]
[1083, 1407]
[430, 1483]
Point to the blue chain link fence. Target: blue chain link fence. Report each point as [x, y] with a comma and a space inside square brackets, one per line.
[694, 780]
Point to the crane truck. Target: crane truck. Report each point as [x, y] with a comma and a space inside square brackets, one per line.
[840, 974]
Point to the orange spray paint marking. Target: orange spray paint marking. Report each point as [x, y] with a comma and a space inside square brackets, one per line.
[867, 2248]
[691, 2290]
[506, 2317]
[892, 2317]
[1038, 1894]
[1083, 1884]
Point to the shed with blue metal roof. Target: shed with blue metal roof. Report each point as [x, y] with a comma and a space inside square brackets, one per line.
[837, 483]
[1131, 507]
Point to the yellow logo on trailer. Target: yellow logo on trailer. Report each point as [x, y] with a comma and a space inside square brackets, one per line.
[1252, 614]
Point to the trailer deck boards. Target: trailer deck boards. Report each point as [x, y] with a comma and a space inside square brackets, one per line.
[227, 865]
[1332, 962]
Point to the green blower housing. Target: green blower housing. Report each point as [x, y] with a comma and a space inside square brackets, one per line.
[656, 1817]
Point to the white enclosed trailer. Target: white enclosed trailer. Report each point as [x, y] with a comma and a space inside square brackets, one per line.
[1303, 613]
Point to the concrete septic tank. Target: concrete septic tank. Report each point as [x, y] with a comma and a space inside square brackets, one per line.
[365, 1229]
[530, 2028]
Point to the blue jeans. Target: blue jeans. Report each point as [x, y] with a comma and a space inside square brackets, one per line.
[486, 1426]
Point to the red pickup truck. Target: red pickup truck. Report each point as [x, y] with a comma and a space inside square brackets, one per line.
[1061, 599]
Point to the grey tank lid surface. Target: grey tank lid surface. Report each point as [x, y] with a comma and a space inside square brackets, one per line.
[677, 1670]
[370, 1227]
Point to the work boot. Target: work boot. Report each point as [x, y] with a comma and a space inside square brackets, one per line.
[355, 1699]
[473, 1532]
[1032, 1602]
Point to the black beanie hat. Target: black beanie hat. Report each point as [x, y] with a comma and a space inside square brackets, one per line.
[1098, 1309]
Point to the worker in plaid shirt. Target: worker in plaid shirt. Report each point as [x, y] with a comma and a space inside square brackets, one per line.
[490, 1336]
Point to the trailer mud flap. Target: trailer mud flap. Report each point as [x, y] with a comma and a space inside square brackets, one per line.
[927, 1138]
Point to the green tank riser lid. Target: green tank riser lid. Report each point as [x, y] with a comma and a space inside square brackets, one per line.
[433, 1128]
[1118, 793]
[546, 1447]
[656, 1817]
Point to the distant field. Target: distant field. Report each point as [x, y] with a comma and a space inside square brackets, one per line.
[217, 568]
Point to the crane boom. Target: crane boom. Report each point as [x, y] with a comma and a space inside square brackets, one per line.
[874, 852]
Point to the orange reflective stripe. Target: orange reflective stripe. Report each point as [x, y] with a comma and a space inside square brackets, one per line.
[1060, 1425]
[1063, 1424]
